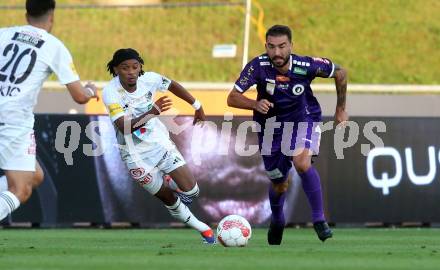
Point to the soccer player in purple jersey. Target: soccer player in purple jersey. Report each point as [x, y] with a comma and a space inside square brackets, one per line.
[287, 110]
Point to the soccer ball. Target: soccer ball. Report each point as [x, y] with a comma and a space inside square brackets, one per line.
[234, 231]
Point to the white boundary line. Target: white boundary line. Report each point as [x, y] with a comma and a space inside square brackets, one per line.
[317, 87]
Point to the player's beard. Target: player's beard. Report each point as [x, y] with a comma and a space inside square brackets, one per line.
[286, 60]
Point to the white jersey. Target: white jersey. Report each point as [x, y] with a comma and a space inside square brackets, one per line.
[153, 137]
[28, 55]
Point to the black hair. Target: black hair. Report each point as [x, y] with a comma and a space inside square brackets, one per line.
[38, 8]
[120, 56]
[279, 30]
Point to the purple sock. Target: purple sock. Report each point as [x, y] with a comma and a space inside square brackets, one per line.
[312, 187]
[276, 204]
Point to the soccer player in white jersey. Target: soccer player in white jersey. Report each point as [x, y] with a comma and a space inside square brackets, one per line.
[146, 147]
[28, 55]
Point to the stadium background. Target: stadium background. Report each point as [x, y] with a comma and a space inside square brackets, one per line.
[391, 50]
[389, 47]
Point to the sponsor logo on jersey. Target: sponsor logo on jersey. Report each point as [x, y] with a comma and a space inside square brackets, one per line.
[9, 91]
[250, 71]
[264, 63]
[283, 86]
[263, 57]
[298, 89]
[301, 63]
[244, 81]
[281, 78]
[28, 39]
[321, 60]
[300, 71]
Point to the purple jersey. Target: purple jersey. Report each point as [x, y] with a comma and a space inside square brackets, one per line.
[290, 93]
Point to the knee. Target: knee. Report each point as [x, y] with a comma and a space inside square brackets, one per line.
[38, 177]
[281, 187]
[22, 191]
[302, 165]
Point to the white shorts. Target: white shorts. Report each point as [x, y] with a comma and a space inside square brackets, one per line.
[17, 148]
[150, 176]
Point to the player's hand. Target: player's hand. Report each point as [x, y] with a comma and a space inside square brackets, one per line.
[199, 116]
[341, 116]
[162, 104]
[263, 106]
[92, 90]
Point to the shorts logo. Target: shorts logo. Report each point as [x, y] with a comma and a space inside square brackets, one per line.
[274, 174]
[176, 160]
[33, 146]
[298, 89]
[137, 173]
[146, 180]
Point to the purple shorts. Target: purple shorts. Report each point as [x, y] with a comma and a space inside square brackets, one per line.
[286, 143]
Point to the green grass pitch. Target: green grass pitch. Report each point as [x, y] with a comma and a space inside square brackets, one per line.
[182, 249]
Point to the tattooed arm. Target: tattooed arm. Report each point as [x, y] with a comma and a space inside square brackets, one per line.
[340, 76]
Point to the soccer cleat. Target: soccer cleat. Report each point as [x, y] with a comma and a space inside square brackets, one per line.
[275, 234]
[322, 230]
[208, 237]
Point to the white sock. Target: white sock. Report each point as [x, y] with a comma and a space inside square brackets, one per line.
[8, 203]
[182, 213]
[3, 183]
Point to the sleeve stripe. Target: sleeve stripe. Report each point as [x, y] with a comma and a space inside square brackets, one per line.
[238, 88]
[333, 70]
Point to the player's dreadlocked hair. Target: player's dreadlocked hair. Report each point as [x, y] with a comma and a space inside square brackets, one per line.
[279, 30]
[38, 8]
[120, 56]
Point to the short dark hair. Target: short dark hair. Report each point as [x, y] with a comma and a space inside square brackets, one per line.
[279, 30]
[38, 8]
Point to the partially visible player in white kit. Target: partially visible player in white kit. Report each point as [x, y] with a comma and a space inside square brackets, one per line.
[146, 147]
[28, 55]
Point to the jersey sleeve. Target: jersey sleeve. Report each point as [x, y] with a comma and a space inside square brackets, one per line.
[2, 30]
[321, 67]
[62, 65]
[111, 102]
[160, 82]
[248, 77]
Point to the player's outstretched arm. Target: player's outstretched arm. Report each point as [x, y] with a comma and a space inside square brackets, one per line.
[237, 100]
[181, 92]
[82, 94]
[340, 76]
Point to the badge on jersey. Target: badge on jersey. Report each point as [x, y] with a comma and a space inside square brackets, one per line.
[114, 109]
[270, 86]
[298, 89]
[72, 67]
